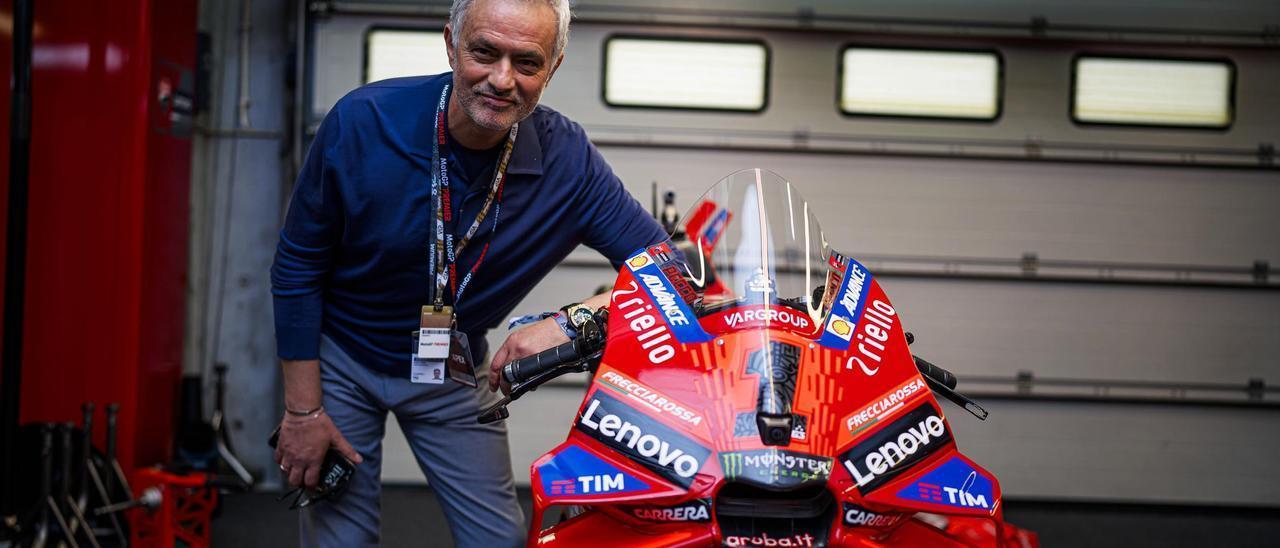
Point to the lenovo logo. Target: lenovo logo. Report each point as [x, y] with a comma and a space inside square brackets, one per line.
[642, 438]
[896, 447]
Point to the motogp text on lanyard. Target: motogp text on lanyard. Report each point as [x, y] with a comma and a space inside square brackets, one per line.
[438, 322]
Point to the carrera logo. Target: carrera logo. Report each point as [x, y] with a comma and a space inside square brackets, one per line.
[896, 447]
[768, 315]
[841, 328]
[638, 314]
[639, 261]
[645, 440]
[857, 516]
[649, 397]
[885, 405]
[696, 511]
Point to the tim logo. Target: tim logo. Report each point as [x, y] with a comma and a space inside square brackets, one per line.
[602, 484]
[575, 472]
[930, 492]
[564, 487]
[955, 483]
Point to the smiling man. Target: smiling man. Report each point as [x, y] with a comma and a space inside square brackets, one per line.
[435, 201]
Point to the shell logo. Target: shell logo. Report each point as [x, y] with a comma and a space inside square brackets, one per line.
[841, 328]
[638, 261]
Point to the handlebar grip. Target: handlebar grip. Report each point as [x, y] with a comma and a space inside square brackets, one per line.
[936, 373]
[529, 367]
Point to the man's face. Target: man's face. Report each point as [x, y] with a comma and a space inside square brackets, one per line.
[503, 60]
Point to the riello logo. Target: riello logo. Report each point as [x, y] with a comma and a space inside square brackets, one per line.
[896, 447]
[642, 438]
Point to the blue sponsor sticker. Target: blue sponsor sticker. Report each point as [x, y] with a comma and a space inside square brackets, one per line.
[576, 472]
[846, 309]
[715, 227]
[679, 317]
[955, 483]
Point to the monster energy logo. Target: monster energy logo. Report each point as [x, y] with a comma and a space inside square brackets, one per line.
[775, 467]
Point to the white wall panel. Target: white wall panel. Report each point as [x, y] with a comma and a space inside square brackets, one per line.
[874, 205]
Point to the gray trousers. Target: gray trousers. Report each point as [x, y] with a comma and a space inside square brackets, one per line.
[467, 464]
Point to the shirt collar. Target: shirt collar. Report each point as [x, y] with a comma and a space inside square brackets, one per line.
[526, 157]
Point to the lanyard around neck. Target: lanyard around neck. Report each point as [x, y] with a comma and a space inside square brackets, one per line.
[444, 267]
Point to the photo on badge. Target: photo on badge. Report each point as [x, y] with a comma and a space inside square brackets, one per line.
[460, 366]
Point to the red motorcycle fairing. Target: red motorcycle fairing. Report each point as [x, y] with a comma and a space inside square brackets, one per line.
[667, 448]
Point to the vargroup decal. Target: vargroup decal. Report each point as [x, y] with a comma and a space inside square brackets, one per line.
[847, 308]
[655, 338]
[857, 516]
[575, 471]
[897, 446]
[884, 406]
[695, 511]
[649, 397]
[748, 317]
[673, 308]
[955, 483]
[776, 468]
[763, 539]
[647, 441]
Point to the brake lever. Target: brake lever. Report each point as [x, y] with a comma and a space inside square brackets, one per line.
[498, 411]
[956, 398]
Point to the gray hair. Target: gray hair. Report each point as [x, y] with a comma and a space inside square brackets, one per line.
[458, 16]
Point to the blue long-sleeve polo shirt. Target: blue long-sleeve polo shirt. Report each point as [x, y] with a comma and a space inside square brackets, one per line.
[352, 261]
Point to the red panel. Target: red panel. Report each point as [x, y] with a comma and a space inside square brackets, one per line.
[106, 261]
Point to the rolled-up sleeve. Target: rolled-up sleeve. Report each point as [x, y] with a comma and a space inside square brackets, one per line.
[304, 255]
[614, 223]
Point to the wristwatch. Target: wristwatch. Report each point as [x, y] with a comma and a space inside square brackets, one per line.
[577, 315]
[563, 322]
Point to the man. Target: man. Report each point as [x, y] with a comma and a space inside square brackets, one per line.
[420, 194]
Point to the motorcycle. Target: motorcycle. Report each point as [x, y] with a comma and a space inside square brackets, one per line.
[750, 386]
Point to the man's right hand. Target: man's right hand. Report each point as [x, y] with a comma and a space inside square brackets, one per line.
[302, 445]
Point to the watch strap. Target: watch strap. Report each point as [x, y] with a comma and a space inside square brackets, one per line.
[562, 320]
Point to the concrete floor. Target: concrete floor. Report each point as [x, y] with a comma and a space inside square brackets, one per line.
[411, 514]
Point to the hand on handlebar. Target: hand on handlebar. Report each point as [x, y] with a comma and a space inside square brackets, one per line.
[523, 343]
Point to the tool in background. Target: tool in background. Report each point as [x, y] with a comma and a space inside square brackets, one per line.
[220, 430]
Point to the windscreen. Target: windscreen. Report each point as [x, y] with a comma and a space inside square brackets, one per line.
[753, 240]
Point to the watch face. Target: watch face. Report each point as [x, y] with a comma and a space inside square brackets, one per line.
[579, 315]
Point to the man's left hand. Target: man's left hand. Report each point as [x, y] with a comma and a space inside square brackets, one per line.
[523, 343]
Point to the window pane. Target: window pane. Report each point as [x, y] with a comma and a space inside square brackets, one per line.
[685, 74]
[949, 84]
[1153, 92]
[395, 53]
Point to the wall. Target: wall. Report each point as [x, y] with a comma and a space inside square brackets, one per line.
[1126, 195]
[240, 163]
